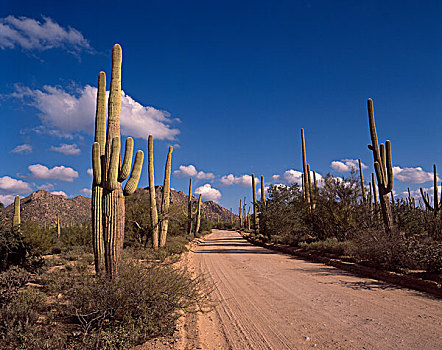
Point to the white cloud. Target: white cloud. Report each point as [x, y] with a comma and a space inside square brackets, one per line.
[412, 175]
[31, 34]
[67, 149]
[190, 170]
[242, 180]
[61, 173]
[11, 186]
[90, 172]
[346, 165]
[22, 149]
[63, 113]
[7, 199]
[59, 193]
[86, 191]
[46, 187]
[291, 177]
[208, 193]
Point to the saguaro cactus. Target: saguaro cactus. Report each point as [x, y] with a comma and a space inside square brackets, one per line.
[165, 203]
[255, 211]
[107, 190]
[240, 214]
[16, 218]
[361, 175]
[152, 196]
[306, 174]
[245, 211]
[198, 215]
[383, 168]
[58, 227]
[263, 194]
[425, 196]
[189, 209]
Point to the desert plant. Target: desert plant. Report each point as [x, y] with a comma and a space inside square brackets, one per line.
[255, 207]
[16, 219]
[189, 210]
[152, 197]
[383, 168]
[304, 168]
[437, 205]
[165, 203]
[198, 216]
[107, 192]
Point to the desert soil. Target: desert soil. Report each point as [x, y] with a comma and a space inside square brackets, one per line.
[268, 300]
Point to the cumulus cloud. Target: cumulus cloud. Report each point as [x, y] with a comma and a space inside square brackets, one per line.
[59, 193]
[46, 187]
[86, 191]
[22, 149]
[6, 199]
[242, 180]
[292, 176]
[31, 34]
[10, 186]
[90, 172]
[61, 173]
[64, 114]
[67, 149]
[208, 193]
[190, 171]
[346, 165]
[412, 175]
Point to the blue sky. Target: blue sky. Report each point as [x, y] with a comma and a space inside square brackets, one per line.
[229, 83]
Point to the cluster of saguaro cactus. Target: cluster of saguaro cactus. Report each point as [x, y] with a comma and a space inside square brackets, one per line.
[159, 222]
[16, 222]
[309, 190]
[383, 168]
[426, 198]
[108, 210]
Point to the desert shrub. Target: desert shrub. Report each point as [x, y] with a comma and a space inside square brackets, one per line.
[284, 214]
[11, 281]
[330, 245]
[77, 235]
[13, 250]
[142, 302]
[39, 239]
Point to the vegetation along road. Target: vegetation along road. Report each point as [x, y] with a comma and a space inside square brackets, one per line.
[268, 300]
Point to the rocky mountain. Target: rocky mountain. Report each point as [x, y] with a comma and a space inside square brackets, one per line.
[43, 207]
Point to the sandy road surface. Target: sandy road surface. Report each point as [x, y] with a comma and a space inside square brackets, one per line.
[268, 300]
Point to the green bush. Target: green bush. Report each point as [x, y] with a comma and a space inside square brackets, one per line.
[141, 303]
[13, 250]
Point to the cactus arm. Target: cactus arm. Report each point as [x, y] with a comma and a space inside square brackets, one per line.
[132, 183]
[112, 182]
[373, 134]
[96, 163]
[114, 103]
[426, 201]
[100, 116]
[127, 160]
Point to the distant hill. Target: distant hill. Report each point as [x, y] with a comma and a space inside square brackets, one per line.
[43, 207]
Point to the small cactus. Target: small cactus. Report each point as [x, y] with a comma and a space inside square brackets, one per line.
[383, 168]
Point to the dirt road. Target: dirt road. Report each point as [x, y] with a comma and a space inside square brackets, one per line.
[267, 300]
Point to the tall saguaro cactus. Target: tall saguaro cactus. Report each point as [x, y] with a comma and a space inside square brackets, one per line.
[152, 196]
[361, 176]
[189, 210]
[16, 218]
[255, 211]
[107, 190]
[304, 168]
[198, 215]
[383, 168]
[240, 214]
[437, 205]
[165, 203]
